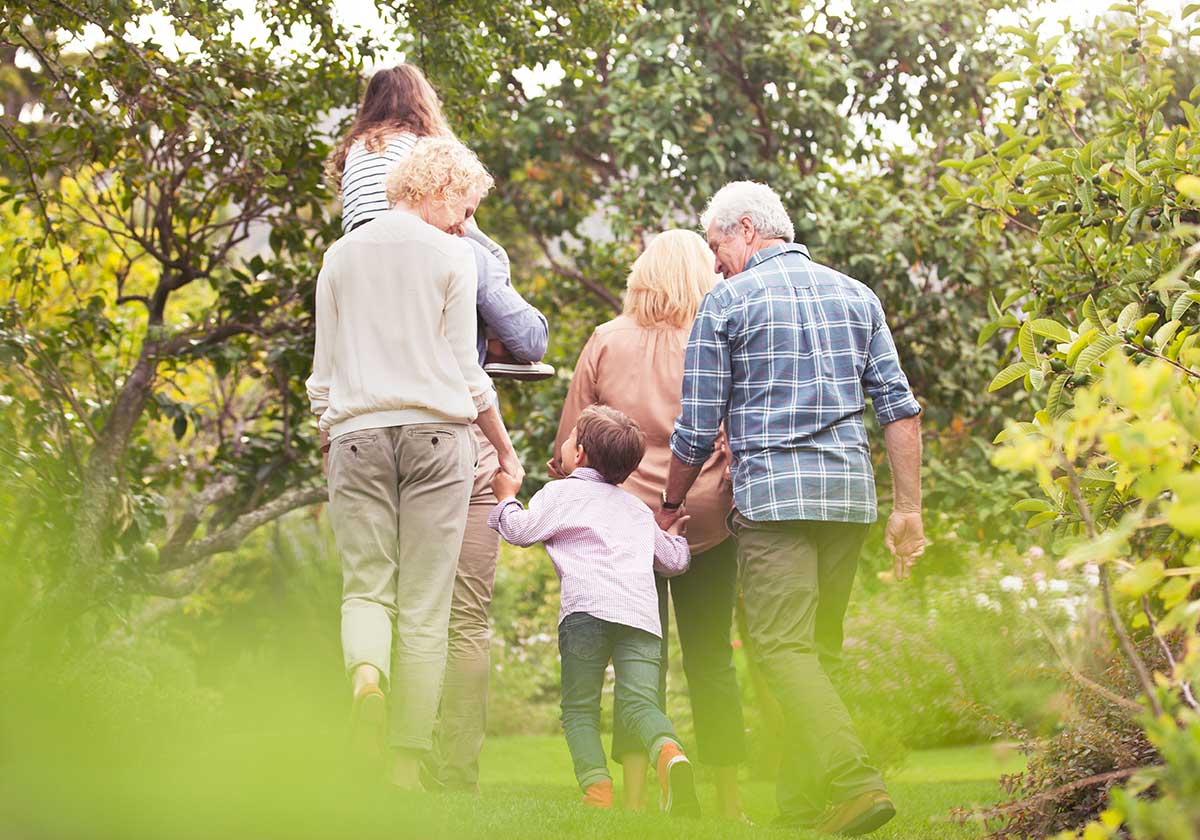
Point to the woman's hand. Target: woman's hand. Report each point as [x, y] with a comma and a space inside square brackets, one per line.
[512, 465]
[554, 468]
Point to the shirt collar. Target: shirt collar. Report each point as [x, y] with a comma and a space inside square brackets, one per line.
[587, 474]
[775, 251]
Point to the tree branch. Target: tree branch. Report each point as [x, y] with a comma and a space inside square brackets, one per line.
[231, 537]
[1114, 618]
[595, 288]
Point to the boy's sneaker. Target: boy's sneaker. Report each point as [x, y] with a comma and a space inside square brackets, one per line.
[677, 781]
[860, 815]
[599, 795]
[368, 721]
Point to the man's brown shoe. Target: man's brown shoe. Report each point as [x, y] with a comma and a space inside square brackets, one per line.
[368, 722]
[860, 815]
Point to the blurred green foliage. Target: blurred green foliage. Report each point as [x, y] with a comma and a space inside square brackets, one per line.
[1090, 186]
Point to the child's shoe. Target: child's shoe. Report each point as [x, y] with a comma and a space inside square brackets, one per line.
[501, 364]
[677, 781]
[599, 795]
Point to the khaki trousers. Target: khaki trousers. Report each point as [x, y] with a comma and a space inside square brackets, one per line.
[397, 501]
[462, 724]
[796, 579]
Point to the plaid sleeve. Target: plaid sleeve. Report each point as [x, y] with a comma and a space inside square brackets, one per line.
[705, 385]
[884, 380]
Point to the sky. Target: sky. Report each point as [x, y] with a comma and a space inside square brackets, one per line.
[363, 15]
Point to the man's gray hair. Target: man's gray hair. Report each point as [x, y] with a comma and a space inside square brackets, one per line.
[751, 200]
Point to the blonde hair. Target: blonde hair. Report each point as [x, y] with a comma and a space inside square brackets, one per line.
[670, 278]
[397, 99]
[439, 169]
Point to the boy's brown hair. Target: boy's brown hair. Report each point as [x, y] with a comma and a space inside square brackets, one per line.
[613, 441]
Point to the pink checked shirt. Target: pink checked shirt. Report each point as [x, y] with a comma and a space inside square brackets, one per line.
[604, 544]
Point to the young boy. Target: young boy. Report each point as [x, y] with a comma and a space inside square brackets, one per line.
[605, 548]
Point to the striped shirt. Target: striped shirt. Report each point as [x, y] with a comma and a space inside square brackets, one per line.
[363, 194]
[364, 191]
[604, 544]
[786, 353]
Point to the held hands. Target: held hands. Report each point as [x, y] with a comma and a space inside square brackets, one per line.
[678, 528]
[506, 485]
[512, 465]
[905, 539]
[666, 519]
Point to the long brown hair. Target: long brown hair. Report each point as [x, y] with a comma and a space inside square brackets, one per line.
[397, 99]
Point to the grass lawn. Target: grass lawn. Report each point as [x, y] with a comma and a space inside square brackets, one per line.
[263, 785]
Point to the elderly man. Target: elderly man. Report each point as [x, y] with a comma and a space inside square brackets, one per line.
[784, 353]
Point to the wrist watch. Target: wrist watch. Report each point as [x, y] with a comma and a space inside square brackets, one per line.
[670, 505]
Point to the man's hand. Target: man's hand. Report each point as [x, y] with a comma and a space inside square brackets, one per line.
[554, 468]
[325, 453]
[505, 485]
[665, 519]
[678, 528]
[905, 539]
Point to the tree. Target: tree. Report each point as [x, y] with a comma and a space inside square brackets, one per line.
[1091, 188]
[139, 290]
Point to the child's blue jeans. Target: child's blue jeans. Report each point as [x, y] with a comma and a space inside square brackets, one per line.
[586, 644]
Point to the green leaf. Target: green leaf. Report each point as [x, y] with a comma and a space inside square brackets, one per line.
[1077, 346]
[1033, 505]
[1050, 329]
[1014, 430]
[1128, 315]
[1140, 579]
[1026, 344]
[1055, 404]
[1184, 513]
[1182, 304]
[1095, 351]
[951, 186]
[1189, 185]
[1009, 375]
[1041, 518]
[1046, 167]
[1004, 76]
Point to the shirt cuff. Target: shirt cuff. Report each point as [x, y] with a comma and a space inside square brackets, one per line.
[485, 400]
[899, 409]
[493, 519]
[692, 454]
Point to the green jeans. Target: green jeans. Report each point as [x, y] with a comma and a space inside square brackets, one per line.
[796, 578]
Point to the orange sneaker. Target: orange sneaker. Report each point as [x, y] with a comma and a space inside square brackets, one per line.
[599, 795]
[677, 782]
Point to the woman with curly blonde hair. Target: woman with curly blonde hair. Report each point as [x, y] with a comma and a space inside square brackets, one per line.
[634, 363]
[397, 384]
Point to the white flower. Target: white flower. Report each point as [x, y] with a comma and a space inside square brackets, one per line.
[982, 600]
[1032, 603]
[1011, 583]
[1057, 585]
[1036, 552]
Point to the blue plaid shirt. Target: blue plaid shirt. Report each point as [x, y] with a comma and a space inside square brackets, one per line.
[786, 353]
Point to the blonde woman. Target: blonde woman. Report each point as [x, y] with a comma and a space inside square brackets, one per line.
[634, 363]
[399, 108]
[397, 384]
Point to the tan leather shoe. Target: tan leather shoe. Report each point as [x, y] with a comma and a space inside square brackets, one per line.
[860, 815]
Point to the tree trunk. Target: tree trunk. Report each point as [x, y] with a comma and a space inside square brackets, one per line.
[100, 485]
